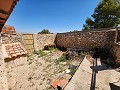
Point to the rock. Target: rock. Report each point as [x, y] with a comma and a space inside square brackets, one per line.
[72, 66]
[67, 71]
[64, 63]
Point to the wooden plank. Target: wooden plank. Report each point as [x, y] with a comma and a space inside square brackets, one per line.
[31, 42]
[28, 40]
[31, 49]
[29, 46]
[27, 37]
[31, 36]
[2, 18]
[3, 12]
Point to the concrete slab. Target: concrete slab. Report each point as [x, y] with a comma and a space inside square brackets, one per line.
[105, 78]
[82, 78]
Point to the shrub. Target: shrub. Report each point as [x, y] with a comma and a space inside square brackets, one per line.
[40, 53]
[82, 53]
[72, 71]
[37, 52]
[60, 59]
[53, 49]
[29, 63]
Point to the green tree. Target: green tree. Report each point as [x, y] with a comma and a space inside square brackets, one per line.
[89, 24]
[44, 31]
[106, 14]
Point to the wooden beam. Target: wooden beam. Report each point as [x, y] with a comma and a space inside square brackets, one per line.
[2, 18]
[3, 12]
[1, 23]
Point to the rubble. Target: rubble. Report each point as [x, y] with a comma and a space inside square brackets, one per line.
[59, 84]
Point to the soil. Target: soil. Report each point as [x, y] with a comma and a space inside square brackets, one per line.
[35, 72]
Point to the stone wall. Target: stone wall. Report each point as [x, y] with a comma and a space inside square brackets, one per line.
[80, 40]
[3, 73]
[9, 38]
[116, 52]
[42, 40]
[85, 39]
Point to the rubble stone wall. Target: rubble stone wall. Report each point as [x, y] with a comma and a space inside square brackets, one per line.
[3, 72]
[44, 39]
[85, 39]
[80, 40]
[116, 52]
[7, 38]
[40, 40]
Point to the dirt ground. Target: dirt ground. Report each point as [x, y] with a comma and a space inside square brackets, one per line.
[39, 70]
[35, 72]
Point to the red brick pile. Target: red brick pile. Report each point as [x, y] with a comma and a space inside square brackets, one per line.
[13, 50]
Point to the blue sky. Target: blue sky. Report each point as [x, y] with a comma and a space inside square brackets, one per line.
[56, 15]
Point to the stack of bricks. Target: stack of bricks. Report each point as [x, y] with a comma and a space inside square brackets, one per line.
[13, 50]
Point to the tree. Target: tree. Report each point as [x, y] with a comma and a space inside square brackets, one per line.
[89, 24]
[44, 31]
[106, 14]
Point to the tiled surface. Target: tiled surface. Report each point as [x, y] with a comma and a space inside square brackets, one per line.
[13, 50]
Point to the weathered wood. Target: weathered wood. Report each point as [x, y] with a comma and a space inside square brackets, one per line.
[3, 12]
[28, 41]
[2, 18]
